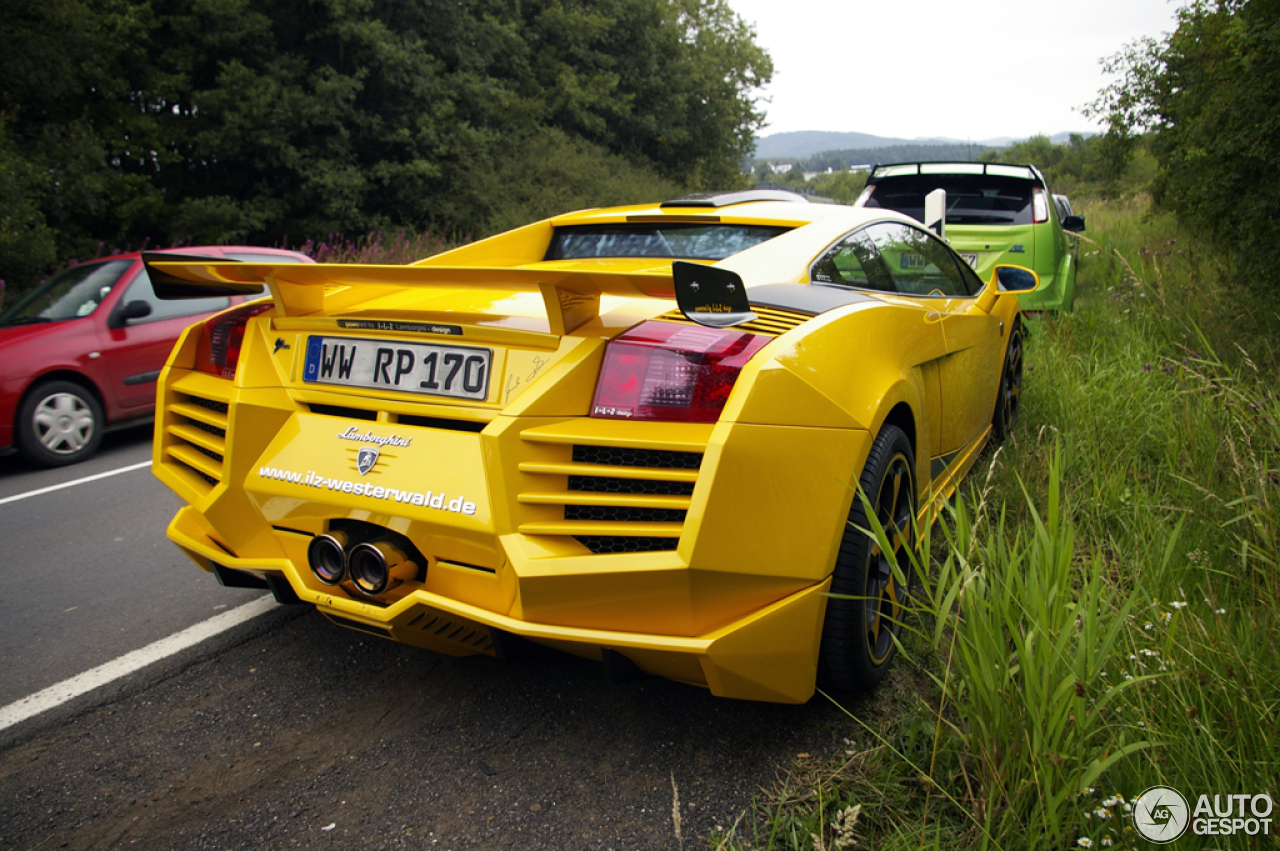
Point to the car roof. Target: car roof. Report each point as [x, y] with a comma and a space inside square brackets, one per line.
[809, 229]
[767, 207]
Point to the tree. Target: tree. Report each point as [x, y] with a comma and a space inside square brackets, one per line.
[1209, 98]
[70, 124]
[274, 120]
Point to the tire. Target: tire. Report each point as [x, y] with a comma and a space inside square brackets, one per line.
[1009, 396]
[861, 627]
[59, 422]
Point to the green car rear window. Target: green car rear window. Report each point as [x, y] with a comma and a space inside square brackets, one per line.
[692, 241]
[971, 199]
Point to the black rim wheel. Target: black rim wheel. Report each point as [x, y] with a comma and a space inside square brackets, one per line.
[864, 614]
[1010, 385]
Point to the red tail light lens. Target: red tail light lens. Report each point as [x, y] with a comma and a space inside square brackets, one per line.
[664, 371]
[221, 338]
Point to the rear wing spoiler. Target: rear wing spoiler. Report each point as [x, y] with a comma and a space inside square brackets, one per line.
[571, 296]
[952, 168]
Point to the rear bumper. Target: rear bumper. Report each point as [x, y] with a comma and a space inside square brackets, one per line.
[767, 655]
[1056, 293]
[700, 552]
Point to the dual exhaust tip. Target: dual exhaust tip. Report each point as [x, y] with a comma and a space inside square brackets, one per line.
[372, 566]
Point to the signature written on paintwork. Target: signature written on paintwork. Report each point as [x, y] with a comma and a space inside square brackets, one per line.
[514, 382]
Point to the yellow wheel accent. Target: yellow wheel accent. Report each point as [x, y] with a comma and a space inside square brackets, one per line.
[885, 596]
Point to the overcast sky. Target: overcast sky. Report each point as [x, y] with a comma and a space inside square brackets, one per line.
[973, 69]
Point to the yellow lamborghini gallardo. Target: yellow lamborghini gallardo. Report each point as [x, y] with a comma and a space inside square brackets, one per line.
[634, 434]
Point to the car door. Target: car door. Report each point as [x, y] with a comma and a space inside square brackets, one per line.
[135, 349]
[856, 261]
[924, 268]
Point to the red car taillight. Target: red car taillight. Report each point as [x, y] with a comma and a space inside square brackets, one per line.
[221, 337]
[664, 371]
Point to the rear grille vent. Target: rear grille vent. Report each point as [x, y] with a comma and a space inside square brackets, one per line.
[211, 404]
[769, 321]
[619, 512]
[197, 428]
[606, 484]
[441, 422]
[344, 412]
[349, 413]
[620, 456]
[464, 633]
[610, 499]
[606, 544]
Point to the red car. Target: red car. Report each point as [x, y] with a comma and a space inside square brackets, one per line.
[82, 352]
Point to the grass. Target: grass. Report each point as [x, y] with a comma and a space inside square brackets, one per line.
[1099, 612]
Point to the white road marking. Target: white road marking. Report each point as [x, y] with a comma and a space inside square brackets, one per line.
[75, 482]
[56, 695]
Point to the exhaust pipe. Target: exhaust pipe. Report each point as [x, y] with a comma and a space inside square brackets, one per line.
[327, 556]
[375, 565]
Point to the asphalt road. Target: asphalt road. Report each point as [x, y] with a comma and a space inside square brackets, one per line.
[86, 573]
[287, 731]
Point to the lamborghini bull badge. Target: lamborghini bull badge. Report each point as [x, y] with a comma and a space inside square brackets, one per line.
[366, 458]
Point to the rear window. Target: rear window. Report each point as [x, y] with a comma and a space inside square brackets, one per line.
[971, 199]
[693, 241]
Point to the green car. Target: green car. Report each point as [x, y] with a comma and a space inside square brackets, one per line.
[995, 213]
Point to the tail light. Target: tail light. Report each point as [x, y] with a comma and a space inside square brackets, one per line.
[664, 371]
[1039, 206]
[221, 338]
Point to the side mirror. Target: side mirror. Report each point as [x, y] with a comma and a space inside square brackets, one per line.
[1016, 279]
[133, 310]
[1073, 223]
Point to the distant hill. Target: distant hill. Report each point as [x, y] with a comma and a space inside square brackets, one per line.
[803, 144]
[908, 153]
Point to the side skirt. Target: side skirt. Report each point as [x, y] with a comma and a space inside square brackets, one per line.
[948, 471]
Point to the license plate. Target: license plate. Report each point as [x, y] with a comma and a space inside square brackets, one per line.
[459, 372]
[971, 259]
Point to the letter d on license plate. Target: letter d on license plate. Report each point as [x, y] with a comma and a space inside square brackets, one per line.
[460, 372]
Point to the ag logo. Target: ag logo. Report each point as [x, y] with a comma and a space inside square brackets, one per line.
[1161, 815]
[366, 458]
